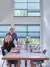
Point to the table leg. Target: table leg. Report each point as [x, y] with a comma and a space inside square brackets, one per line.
[40, 65]
[18, 63]
[25, 63]
[32, 65]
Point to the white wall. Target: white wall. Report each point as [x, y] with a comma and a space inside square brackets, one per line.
[20, 20]
[46, 23]
[5, 8]
[46, 26]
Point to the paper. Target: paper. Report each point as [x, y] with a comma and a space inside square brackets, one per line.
[14, 51]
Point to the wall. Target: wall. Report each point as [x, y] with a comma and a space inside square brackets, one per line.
[5, 8]
[20, 20]
[46, 26]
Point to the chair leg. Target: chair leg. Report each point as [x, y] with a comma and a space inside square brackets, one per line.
[32, 65]
[40, 65]
[3, 63]
[25, 62]
[15, 65]
[9, 65]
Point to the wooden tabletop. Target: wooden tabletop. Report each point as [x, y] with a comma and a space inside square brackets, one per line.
[25, 55]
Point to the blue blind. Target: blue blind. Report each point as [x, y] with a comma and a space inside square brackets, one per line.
[32, 30]
[4, 28]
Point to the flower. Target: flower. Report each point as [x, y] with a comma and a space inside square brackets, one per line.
[27, 41]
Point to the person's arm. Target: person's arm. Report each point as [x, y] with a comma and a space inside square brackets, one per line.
[12, 44]
[16, 39]
[17, 42]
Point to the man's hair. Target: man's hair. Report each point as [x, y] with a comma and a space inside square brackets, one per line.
[11, 28]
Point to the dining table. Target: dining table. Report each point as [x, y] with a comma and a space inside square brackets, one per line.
[22, 54]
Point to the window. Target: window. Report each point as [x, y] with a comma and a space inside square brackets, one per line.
[20, 30]
[26, 7]
[31, 30]
[4, 28]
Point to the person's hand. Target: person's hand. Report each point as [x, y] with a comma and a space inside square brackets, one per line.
[8, 38]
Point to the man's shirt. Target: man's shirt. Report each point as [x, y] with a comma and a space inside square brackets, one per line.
[14, 36]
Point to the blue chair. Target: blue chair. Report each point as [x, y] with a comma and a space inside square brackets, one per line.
[39, 62]
[9, 62]
[3, 55]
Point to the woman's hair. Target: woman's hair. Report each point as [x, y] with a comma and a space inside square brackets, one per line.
[8, 38]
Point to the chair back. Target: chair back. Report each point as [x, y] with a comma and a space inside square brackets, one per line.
[3, 53]
[44, 51]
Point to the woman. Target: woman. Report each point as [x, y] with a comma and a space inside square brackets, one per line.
[8, 44]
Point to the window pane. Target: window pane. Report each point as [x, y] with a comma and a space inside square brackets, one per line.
[33, 28]
[34, 6]
[1, 41]
[21, 34]
[34, 35]
[20, 5]
[35, 41]
[34, 14]
[2, 34]
[20, 12]
[20, 0]
[26, 7]
[20, 28]
[21, 41]
[4, 28]
[33, 0]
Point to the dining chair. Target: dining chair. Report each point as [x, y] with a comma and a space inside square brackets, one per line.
[38, 62]
[3, 53]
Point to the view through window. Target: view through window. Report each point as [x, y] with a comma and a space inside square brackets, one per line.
[26, 7]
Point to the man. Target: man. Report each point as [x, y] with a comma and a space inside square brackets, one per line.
[13, 34]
